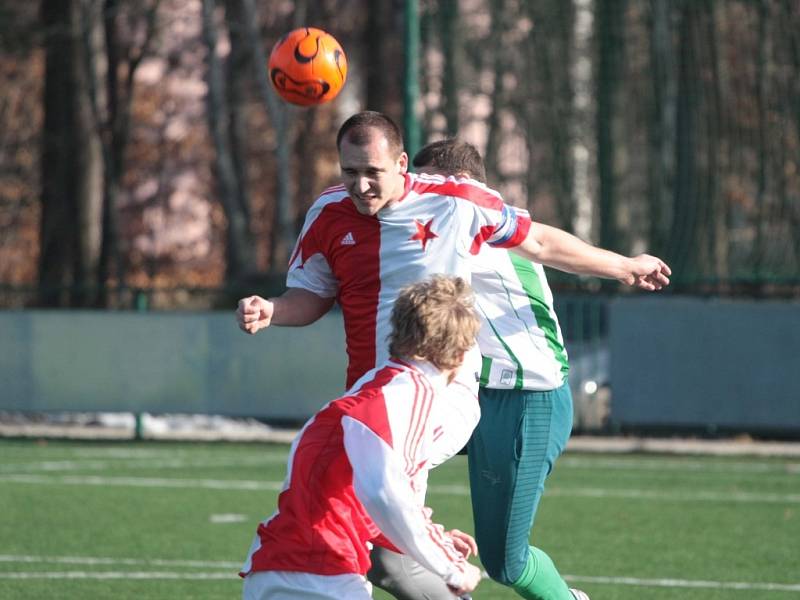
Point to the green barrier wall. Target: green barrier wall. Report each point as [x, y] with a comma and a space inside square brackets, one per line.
[717, 364]
[167, 362]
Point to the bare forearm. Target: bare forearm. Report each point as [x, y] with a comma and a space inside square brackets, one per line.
[563, 251]
[297, 307]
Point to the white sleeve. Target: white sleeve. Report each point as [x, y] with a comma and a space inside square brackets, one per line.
[383, 487]
[308, 265]
[456, 411]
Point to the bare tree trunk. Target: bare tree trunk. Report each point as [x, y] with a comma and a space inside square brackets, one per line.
[583, 141]
[114, 125]
[112, 116]
[239, 246]
[90, 154]
[684, 224]
[551, 47]
[239, 66]
[71, 163]
[375, 72]
[716, 211]
[495, 135]
[790, 16]
[660, 162]
[450, 35]
[610, 14]
[762, 93]
[58, 226]
[283, 228]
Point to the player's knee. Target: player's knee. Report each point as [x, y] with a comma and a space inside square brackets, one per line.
[503, 569]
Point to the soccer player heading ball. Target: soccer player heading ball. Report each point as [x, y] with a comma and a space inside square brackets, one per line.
[358, 469]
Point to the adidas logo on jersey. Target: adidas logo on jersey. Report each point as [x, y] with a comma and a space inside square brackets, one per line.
[348, 240]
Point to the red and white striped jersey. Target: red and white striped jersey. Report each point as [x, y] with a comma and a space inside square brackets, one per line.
[363, 261]
[357, 473]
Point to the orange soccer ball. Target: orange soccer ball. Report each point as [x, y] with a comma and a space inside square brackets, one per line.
[307, 66]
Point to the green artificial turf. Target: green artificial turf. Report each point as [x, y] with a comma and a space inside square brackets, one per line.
[175, 520]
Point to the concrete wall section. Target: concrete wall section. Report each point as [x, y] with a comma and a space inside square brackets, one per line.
[673, 362]
[707, 363]
[167, 362]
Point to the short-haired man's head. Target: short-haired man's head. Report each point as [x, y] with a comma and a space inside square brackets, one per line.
[361, 127]
[452, 156]
[434, 320]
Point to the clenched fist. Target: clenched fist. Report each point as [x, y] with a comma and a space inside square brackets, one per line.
[254, 313]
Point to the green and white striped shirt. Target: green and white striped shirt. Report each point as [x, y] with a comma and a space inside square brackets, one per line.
[520, 338]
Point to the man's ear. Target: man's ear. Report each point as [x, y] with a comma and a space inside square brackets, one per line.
[402, 163]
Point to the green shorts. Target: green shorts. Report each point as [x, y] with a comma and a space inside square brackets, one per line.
[512, 450]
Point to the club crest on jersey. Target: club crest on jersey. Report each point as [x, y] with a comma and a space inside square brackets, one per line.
[348, 240]
[424, 233]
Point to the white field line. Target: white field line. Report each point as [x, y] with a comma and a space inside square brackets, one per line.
[177, 463]
[151, 482]
[456, 490]
[634, 494]
[688, 583]
[105, 560]
[159, 458]
[117, 575]
[671, 496]
[112, 453]
[97, 561]
[645, 464]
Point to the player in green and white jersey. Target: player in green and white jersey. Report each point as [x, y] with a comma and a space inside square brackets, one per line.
[521, 340]
[525, 399]
[526, 420]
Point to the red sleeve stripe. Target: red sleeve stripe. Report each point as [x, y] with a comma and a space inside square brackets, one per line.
[417, 424]
[419, 418]
[438, 539]
[427, 407]
[459, 188]
[411, 423]
[520, 233]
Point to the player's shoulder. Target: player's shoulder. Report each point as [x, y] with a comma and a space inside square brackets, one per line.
[330, 204]
[332, 195]
[377, 378]
[458, 188]
[389, 381]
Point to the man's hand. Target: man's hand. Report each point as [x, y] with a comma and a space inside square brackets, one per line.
[254, 313]
[464, 543]
[647, 273]
[472, 577]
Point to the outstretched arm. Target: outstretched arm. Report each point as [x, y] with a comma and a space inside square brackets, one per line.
[385, 489]
[563, 251]
[295, 307]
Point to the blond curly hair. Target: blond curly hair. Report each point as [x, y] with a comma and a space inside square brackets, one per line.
[434, 320]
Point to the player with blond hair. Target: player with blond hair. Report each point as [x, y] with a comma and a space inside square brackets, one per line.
[357, 470]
